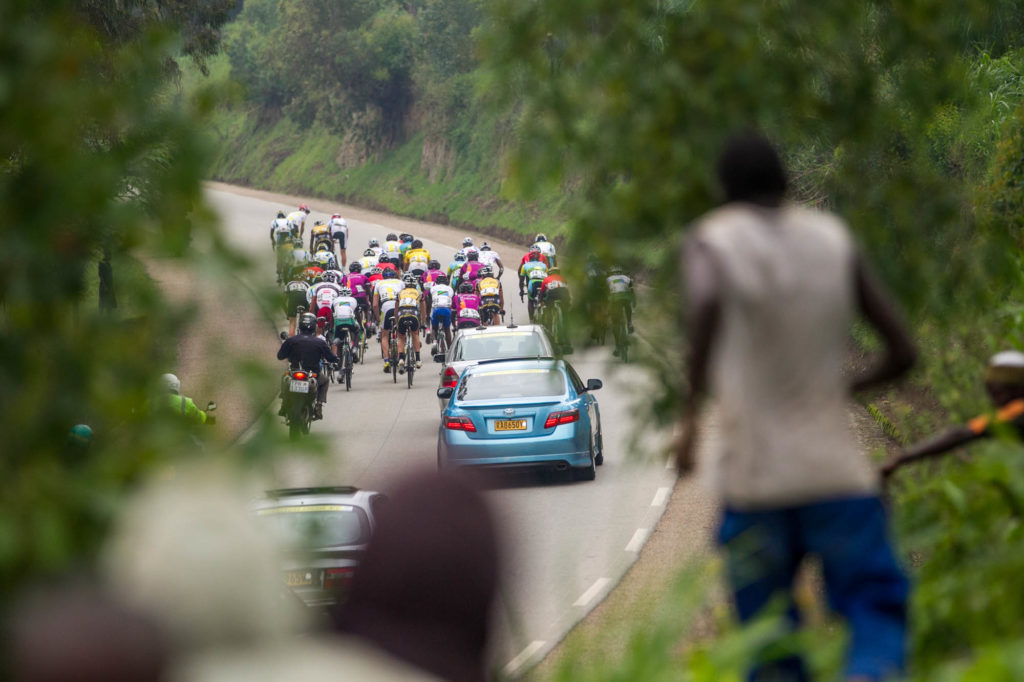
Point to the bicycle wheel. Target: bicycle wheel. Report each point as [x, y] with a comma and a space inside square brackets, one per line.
[393, 356]
[410, 359]
[347, 366]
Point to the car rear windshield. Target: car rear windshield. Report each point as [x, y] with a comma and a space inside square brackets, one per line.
[500, 345]
[514, 383]
[321, 525]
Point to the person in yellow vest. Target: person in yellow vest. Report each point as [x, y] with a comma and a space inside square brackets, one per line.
[1004, 382]
[179, 404]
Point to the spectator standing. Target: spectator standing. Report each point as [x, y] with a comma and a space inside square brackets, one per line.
[772, 290]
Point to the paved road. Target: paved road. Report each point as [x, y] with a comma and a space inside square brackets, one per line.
[569, 543]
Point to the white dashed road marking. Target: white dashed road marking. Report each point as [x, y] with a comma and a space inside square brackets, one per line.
[524, 656]
[661, 497]
[592, 591]
[638, 540]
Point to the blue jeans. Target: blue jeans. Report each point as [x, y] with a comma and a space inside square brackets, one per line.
[863, 581]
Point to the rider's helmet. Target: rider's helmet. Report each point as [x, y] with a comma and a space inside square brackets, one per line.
[303, 207]
[170, 383]
[406, 237]
[534, 255]
[345, 292]
[540, 238]
[318, 222]
[466, 288]
[392, 237]
[417, 243]
[615, 270]
[383, 258]
[441, 279]
[434, 265]
[388, 273]
[307, 323]
[485, 247]
[410, 279]
[280, 214]
[486, 271]
[375, 271]
[374, 243]
[370, 253]
[460, 256]
[355, 267]
[335, 215]
[534, 249]
[332, 277]
[473, 256]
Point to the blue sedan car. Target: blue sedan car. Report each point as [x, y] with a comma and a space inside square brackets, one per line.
[528, 413]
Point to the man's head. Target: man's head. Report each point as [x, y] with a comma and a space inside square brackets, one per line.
[170, 383]
[1004, 377]
[749, 169]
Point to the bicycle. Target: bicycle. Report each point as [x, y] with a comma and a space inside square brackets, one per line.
[345, 365]
[620, 331]
[393, 355]
[410, 357]
[559, 330]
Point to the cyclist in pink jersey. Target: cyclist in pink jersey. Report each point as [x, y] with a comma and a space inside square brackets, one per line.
[466, 306]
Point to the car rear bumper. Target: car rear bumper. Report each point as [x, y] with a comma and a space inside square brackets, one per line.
[559, 450]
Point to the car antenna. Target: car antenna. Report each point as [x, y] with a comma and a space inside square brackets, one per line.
[512, 322]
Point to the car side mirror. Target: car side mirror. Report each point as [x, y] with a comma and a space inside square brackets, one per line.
[283, 336]
[594, 384]
[445, 392]
[211, 406]
[439, 357]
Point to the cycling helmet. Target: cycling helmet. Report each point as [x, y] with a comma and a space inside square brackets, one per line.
[540, 238]
[332, 277]
[170, 383]
[374, 243]
[486, 271]
[307, 323]
[405, 237]
[303, 207]
[534, 255]
[534, 249]
[417, 244]
[434, 265]
[410, 279]
[375, 271]
[392, 237]
[441, 279]
[318, 222]
[466, 288]
[280, 214]
[335, 215]
[388, 273]
[460, 256]
[383, 258]
[355, 267]
[473, 256]
[485, 247]
[370, 253]
[345, 292]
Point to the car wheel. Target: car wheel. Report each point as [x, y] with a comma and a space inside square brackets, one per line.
[587, 473]
[599, 459]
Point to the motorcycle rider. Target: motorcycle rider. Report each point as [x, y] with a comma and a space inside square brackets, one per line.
[308, 351]
[179, 404]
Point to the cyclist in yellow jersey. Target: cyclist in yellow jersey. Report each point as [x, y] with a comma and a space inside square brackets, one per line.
[410, 313]
[492, 296]
[416, 259]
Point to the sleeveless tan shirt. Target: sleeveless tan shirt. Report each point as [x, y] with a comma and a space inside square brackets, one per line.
[786, 279]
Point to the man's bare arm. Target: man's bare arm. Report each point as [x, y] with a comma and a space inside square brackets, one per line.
[944, 442]
[877, 308]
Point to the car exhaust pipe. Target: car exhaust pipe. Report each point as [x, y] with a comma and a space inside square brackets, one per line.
[561, 466]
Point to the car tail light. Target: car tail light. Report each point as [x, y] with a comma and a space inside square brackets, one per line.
[451, 377]
[459, 424]
[299, 375]
[336, 578]
[558, 418]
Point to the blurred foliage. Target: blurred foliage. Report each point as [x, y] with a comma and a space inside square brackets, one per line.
[96, 155]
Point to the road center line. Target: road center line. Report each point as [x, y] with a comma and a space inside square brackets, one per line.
[638, 540]
[661, 497]
[523, 657]
[592, 591]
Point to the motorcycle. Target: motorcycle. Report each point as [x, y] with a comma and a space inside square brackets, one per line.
[298, 399]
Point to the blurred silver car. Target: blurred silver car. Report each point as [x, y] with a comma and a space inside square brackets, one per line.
[323, 533]
[470, 346]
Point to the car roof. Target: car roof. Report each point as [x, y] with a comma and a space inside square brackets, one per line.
[297, 497]
[505, 328]
[484, 366]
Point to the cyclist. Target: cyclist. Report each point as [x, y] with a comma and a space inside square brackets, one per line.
[386, 263]
[321, 298]
[553, 289]
[467, 246]
[374, 244]
[492, 298]
[531, 274]
[297, 221]
[313, 273]
[369, 260]
[409, 313]
[405, 243]
[346, 324]
[467, 307]
[441, 298]
[470, 272]
[300, 257]
[279, 230]
[533, 249]
[428, 279]
[356, 282]
[621, 295]
[339, 232]
[416, 259]
[453, 268]
[325, 259]
[489, 256]
[546, 247]
[319, 231]
[392, 250]
[281, 240]
[385, 295]
[309, 352]
[373, 275]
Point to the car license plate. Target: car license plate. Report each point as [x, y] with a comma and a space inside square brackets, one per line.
[298, 578]
[510, 425]
[299, 386]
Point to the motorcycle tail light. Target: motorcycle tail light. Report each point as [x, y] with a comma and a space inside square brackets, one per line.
[299, 375]
[558, 418]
